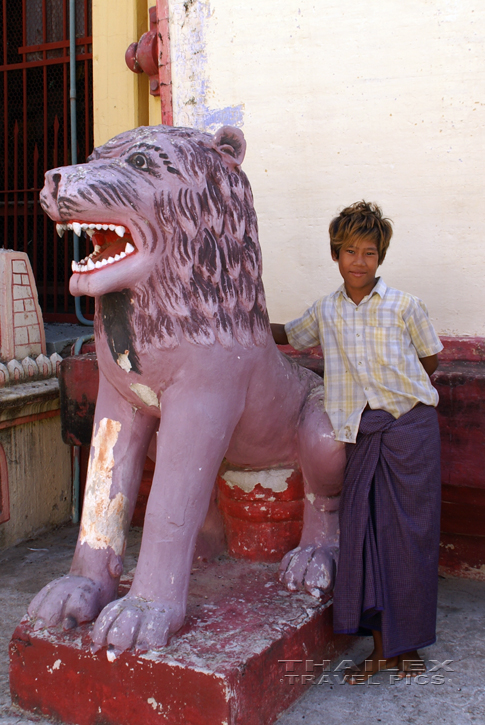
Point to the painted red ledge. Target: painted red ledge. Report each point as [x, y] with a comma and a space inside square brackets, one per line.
[241, 627]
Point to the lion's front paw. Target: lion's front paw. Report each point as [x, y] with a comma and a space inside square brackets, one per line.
[134, 623]
[311, 568]
[70, 600]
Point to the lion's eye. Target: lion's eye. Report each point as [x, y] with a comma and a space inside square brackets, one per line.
[139, 161]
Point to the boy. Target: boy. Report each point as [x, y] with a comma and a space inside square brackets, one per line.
[379, 350]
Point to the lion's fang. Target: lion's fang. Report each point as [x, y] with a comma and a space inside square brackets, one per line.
[61, 228]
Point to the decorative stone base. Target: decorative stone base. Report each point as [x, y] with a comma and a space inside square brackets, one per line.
[226, 666]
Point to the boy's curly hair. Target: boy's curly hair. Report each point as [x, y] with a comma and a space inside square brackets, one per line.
[361, 220]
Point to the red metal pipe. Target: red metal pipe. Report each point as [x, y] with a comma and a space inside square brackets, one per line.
[15, 182]
[54, 233]
[35, 210]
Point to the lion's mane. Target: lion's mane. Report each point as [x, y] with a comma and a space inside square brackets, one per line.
[206, 280]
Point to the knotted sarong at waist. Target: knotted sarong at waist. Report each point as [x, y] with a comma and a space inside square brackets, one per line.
[389, 530]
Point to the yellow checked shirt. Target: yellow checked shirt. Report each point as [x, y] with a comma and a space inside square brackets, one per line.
[371, 353]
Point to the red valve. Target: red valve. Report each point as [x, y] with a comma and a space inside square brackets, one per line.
[142, 57]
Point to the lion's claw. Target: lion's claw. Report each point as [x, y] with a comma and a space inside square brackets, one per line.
[134, 623]
[70, 600]
[311, 568]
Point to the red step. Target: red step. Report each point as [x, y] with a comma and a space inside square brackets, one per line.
[226, 666]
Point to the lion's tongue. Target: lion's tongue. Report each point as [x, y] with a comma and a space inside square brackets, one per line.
[112, 243]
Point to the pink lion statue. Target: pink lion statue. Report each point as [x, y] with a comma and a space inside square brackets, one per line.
[186, 358]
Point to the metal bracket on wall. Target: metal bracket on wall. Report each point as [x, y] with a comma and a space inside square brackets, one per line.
[142, 57]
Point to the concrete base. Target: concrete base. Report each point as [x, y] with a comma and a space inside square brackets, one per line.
[228, 665]
[35, 478]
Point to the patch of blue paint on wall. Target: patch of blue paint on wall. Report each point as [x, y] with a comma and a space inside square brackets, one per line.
[230, 116]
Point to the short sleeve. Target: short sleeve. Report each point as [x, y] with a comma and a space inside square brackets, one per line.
[304, 332]
[422, 332]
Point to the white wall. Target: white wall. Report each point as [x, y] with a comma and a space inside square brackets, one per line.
[341, 100]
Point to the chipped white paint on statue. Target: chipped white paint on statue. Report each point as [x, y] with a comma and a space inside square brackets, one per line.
[104, 518]
[275, 480]
[124, 361]
[146, 394]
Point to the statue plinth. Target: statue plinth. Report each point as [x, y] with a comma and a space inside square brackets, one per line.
[226, 664]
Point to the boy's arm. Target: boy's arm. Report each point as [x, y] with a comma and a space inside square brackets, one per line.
[430, 363]
[279, 334]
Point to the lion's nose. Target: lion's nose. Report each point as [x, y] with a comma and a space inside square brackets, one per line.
[48, 195]
[52, 181]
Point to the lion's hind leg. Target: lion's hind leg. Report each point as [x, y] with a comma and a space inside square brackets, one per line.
[311, 566]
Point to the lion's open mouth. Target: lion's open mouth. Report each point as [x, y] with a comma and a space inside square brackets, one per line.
[112, 243]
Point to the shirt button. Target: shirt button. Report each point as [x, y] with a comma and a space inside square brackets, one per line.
[366, 388]
[360, 363]
[357, 335]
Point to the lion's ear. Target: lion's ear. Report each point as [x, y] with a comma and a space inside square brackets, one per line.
[230, 143]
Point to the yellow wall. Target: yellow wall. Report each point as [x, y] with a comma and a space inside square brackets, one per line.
[121, 98]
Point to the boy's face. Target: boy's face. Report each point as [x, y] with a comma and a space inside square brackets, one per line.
[358, 264]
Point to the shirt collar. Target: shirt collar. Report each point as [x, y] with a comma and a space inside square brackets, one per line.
[379, 288]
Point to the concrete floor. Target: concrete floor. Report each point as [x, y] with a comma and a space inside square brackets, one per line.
[451, 697]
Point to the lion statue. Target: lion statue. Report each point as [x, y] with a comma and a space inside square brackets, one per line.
[186, 358]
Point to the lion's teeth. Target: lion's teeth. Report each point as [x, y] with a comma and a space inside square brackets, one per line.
[120, 231]
[98, 226]
[76, 228]
[117, 257]
[105, 226]
[84, 226]
[104, 262]
[90, 232]
[96, 248]
[122, 255]
[61, 228]
[129, 248]
[110, 260]
[98, 265]
[111, 227]
[90, 264]
[74, 266]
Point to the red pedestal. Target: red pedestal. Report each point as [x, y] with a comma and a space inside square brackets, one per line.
[226, 666]
[262, 524]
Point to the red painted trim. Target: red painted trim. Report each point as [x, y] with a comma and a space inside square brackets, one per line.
[164, 62]
[53, 46]
[462, 556]
[47, 61]
[4, 490]
[29, 418]
[470, 349]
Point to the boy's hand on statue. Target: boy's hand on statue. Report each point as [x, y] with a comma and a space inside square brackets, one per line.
[135, 623]
[70, 600]
[311, 568]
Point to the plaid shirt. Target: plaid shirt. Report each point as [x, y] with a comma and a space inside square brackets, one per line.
[371, 353]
